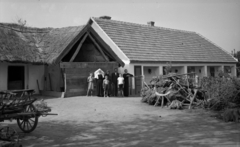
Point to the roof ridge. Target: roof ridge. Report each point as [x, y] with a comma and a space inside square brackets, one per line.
[70, 26]
[144, 25]
[24, 29]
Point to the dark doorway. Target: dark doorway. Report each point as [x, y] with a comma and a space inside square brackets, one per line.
[138, 79]
[15, 77]
[212, 72]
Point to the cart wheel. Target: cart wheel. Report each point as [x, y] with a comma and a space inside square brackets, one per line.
[28, 123]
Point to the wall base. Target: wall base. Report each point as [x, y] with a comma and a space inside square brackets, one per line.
[52, 93]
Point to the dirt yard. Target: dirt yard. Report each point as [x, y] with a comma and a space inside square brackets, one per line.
[123, 122]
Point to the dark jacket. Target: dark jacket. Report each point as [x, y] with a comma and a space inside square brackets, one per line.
[114, 78]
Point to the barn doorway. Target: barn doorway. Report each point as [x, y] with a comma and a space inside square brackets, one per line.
[15, 77]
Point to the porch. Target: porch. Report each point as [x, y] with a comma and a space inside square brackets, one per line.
[200, 70]
[144, 73]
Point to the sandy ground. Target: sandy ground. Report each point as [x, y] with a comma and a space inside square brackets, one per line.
[123, 122]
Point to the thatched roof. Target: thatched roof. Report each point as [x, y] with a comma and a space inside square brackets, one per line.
[34, 45]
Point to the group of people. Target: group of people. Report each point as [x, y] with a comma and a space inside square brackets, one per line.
[115, 84]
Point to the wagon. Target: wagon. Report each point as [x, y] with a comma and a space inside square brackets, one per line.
[18, 105]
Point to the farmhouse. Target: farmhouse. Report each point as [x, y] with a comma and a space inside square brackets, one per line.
[146, 49]
[60, 59]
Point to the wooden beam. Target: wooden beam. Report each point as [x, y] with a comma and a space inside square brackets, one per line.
[82, 65]
[99, 48]
[71, 44]
[65, 82]
[106, 46]
[78, 48]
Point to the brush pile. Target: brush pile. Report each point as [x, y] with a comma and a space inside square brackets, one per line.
[174, 91]
[220, 93]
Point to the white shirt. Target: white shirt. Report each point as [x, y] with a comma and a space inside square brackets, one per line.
[120, 80]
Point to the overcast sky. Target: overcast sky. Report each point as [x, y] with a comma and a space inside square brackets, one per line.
[217, 20]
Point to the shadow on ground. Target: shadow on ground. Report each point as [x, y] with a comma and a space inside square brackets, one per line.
[189, 129]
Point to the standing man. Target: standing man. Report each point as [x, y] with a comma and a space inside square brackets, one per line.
[126, 76]
[114, 81]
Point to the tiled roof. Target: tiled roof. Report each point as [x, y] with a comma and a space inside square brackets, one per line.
[34, 45]
[151, 43]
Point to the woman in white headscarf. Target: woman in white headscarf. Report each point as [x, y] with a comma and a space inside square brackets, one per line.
[99, 73]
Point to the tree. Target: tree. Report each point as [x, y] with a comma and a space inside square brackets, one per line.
[237, 56]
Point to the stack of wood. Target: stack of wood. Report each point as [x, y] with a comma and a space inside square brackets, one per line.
[174, 91]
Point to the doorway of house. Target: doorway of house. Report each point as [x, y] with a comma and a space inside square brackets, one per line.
[138, 79]
[212, 71]
[15, 77]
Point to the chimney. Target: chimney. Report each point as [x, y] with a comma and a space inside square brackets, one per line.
[151, 23]
[105, 17]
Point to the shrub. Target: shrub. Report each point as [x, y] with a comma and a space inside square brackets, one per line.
[221, 92]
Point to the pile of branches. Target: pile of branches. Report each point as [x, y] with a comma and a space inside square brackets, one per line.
[221, 94]
[174, 91]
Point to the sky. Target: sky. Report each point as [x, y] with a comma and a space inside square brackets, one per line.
[217, 20]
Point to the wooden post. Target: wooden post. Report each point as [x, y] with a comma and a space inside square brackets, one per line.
[63, 78]
[65, 82]
[38, 86]
[162, 97]
[50, 82]
[192, 98]
[162, 101]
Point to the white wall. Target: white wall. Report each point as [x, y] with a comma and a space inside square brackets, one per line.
[199, 70]
[36, 72]
[32, 74]
[180, 69]
[148, 76]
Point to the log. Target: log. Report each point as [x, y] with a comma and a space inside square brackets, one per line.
[38, 86]
[146, 85]
[192, 98]
[78, 48]
[50, 82]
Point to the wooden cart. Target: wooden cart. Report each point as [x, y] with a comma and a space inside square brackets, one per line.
[18, 105]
